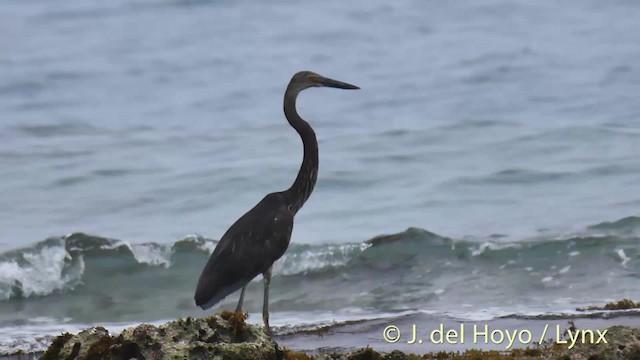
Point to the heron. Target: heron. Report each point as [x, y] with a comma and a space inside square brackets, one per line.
[261, 236]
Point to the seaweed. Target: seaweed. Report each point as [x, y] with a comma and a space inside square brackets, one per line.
[624, 304]
[289, 354]
[365, 354]
[237, 321]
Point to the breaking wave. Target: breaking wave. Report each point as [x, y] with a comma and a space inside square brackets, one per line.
[62, 264]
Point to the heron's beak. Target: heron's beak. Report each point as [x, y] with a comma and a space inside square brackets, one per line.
[323, 81]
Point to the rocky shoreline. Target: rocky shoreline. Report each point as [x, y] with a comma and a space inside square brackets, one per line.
[228, 336]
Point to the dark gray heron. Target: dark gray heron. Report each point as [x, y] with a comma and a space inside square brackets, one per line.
[261, 236]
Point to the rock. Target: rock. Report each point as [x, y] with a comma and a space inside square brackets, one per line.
[623, 343]
[224, 336]
[227, 337]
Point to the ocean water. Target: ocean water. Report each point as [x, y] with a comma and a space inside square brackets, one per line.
[504, 135]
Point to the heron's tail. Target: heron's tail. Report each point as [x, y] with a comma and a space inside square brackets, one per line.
[209, 293]
[206, 304]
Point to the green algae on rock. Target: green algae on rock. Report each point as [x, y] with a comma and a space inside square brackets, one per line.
[227, 336]
[207, 338]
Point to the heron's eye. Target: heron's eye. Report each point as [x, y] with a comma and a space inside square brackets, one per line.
[312, 78]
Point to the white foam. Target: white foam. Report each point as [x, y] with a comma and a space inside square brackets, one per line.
[311, 320]
[206, 245]
[152, 254]
[483, 314]
[317, 258]
[564, 270]
[492, 246]
[40, 272]
[147, 253]
[37, 337]
[625, 259]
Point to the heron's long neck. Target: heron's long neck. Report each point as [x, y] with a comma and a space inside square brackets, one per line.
[302, 187]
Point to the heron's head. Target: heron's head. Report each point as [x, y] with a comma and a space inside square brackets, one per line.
[306, 79]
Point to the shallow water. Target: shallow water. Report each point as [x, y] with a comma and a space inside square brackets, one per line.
[498, 124]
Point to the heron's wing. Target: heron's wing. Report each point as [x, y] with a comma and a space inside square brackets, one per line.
[248, 249]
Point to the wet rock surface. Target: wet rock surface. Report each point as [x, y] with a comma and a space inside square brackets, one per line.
[227, 336]
[224, 336]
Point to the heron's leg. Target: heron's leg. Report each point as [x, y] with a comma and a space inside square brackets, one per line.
[239, 308]
[265, 306]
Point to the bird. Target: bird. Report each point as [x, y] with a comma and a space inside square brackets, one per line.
[261, 236]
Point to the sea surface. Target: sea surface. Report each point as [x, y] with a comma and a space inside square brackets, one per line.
[496, 141]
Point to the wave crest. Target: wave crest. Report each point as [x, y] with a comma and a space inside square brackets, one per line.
[41, 270]
[79, 260]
